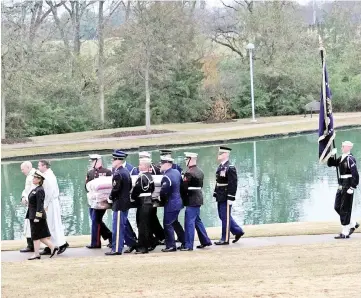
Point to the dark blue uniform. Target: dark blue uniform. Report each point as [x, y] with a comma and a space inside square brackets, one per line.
[193, 199]
[349, 179]
[170, 195]
[98, 227]
[120, 195]
[225, 190]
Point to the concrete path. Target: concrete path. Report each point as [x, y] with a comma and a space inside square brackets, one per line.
[236, 127]
[16, 256]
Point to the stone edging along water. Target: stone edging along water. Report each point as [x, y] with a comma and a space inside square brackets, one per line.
[69, 154]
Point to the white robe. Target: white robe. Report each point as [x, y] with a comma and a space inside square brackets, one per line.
[29, 186]
[52, 205]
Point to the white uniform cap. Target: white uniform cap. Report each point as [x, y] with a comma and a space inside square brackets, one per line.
[144, 154]
[166, 158]
[95, 156]
[347, 143]
[145, 159]
[39, 174]
[190, 154]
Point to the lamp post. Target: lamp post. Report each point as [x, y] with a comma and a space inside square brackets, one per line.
[250, 47]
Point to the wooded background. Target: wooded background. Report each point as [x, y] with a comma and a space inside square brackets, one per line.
[74, 66]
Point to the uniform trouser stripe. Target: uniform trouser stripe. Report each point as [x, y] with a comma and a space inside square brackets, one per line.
[118, 231]
[227, 223]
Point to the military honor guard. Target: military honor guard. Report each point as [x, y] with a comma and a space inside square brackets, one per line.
[120, 200]
[28, 170]
[142, 195]
[171, 198]
[348, 181]
[37, 217]
[225, 194]
[192, 196]
[98, 227]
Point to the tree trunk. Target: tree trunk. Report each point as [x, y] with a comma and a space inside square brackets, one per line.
[3, 115]
[127, 11]
[147, 97]
[101, 60]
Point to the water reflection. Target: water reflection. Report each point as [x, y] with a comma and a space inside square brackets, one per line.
[280, 180]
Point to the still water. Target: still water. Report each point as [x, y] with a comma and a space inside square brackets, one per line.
[280, 181]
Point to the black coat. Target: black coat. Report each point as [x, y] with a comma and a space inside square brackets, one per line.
[96, 173]
[120, 194]
[347, 167]
[36, 204]
[191, 188]
[143, 189]
[226, 183]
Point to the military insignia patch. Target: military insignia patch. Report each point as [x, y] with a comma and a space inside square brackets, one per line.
[114, 183]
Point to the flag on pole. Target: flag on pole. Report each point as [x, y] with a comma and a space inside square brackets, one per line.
[326, 132]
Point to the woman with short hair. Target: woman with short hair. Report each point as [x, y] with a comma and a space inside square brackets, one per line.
[37, 216]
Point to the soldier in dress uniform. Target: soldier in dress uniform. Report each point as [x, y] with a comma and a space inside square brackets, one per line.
[349, 179]
[142, 195]
[177, 226]
[192, 196]
[155, 226]
[120, 200]
[170, 197]
[225, 194]
[98, 227]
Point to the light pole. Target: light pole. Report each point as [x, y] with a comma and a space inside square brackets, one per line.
[250, 47]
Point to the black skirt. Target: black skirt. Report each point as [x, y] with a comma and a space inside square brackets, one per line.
[39, 230]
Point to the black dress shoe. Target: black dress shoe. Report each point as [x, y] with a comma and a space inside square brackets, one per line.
[170, 249]
[151, 248]
[237, 237]
[181, 247]
[221, 243]
[186, 249]
[91, 247]
[46, 251]
[27, 249]
[203, 245]
[54, 251]
[113, 253]
[138, 252]
[129, 250]
[342, 236]
[35, 258]
[352, 230]
[63, 248]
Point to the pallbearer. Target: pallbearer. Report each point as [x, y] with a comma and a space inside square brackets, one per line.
[193, 199]
[349, 179]
[142, 195]
[98, 227]
[170, 196]
[225, 194]
[120, 200]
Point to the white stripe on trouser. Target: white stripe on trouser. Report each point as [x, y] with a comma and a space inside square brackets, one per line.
[118, 228]
[227, 224]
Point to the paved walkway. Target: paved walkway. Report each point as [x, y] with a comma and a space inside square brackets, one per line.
[16, 256]
[236, 127]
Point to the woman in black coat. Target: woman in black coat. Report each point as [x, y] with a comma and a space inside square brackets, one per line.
[37, 216]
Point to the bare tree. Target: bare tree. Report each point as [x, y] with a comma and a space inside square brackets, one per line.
[100, 70]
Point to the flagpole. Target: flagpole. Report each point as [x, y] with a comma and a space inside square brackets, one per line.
[324, 91]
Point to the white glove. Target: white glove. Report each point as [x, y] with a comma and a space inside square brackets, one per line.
[230, 202]
[333, 151]
[110, 201]
[350, 191]
[24, 201]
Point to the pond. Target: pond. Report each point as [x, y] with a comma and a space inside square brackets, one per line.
[280, 180]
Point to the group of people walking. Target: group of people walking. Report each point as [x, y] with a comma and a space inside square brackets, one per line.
[177, 190]
[43, 218]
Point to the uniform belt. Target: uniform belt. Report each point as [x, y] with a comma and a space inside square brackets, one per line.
[346, 176]
[146, 194]
[222, 184]
[194, 187]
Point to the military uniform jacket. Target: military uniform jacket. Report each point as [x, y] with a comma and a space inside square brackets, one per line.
[143, 189]
[191, 189]
[36, 204]
[132, 170]
[96, 173]
[349, 176]
[120, 194]
[226, 183]
[170, 191]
